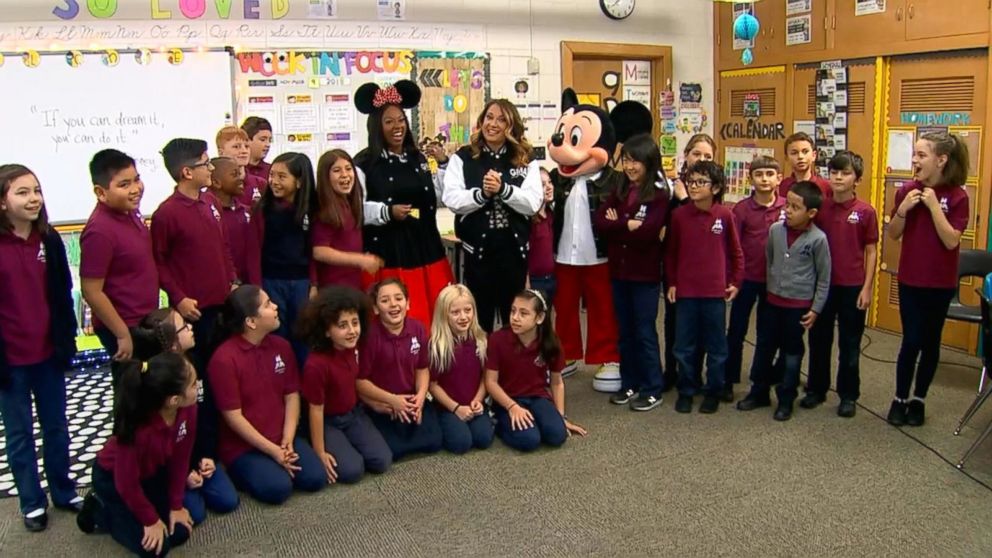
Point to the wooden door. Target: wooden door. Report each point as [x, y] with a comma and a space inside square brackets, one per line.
[873, 29]
[771, 19]
[946, 88]
[779, 29]
[926, 19]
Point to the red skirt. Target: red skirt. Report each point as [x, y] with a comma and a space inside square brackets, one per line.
[423, 283]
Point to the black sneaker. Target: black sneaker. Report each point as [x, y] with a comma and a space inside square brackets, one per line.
[752, 402]
[811, 400]
[727, 393]
[37, 523]
[915, 413]
[622, 397]
[645, 403]
[783, 412]
[86, 518]
[709, 405]
[683, 404]
[897, 414]
[847, 408]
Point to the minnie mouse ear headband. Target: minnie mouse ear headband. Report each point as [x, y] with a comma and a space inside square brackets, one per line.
[630, 118]
[370, 97]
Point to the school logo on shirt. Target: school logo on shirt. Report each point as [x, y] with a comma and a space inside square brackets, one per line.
[42, 255]
[247, 216]
[943, 205]
[539, 361]
[781, 215]
[414, 346]
[213, 208]
[642, 213]
[256, 195]
[520, 172]
[717, 227]
[199, 390]
[806, 251]
[854, 218]
[306, 222]
[181, 433]
[280, 365]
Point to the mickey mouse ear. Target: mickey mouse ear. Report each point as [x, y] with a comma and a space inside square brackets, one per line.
[409, 91]
[568, 99]
[364, 96]
[629, 119]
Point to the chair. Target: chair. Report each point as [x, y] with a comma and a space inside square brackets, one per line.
[971, 263]
[983, 394]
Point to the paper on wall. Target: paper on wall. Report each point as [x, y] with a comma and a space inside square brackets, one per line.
[637, 72]
[899, 151]
[339, 114]
[322, 9]
[799, 30]
[639, 93]
[867, 7]
[793, 7]
[299, 114]
[807, 127]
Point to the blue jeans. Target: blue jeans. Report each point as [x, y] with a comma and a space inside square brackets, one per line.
[116, 518]
[547, 285]
[751, 293]
[783, 334]
[922, 312]
[356, 445]
[549, 426]
[290, 295]
[460, 436]
[47, 383]
[217, 495]
[266, 481]
[700, 328]
[636, 307]
[842, 307]
[406, 438]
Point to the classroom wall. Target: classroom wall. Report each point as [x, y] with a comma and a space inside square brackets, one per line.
[512, 31]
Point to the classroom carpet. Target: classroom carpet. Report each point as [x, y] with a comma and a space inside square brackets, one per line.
[643, 484]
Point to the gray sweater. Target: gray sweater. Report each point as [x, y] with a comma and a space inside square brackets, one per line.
[801, 271]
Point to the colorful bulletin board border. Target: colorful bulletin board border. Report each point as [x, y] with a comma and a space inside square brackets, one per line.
[455, 87]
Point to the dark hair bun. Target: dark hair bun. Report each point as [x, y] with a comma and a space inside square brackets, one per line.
[629, 119]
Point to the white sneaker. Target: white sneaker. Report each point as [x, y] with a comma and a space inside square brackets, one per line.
[571, 367]
[607, 379]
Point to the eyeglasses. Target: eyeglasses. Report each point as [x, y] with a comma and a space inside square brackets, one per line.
[186, 326]
[207, 164]
[699, 183]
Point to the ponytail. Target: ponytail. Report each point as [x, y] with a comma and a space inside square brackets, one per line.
[548, 345]
[956, 170]
[240, 305]
[155, 334]
[143, 389]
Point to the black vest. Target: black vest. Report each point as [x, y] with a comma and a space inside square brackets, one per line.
[598, 190]
[286, 248]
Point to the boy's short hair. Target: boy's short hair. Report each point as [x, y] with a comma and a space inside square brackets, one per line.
[228, 133]
[765, 162]
[809, 192]
[219, 162]
[798, 137]
[180, 153]
[847, 160]
[255, 124]
[714, 172]
[106, 164]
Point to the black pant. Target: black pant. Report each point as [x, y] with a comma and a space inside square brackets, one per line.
[922, 311]
[842, 307]
[751, 293]
[494, 280]
[781, 333]
[671, 365]
[121, 523]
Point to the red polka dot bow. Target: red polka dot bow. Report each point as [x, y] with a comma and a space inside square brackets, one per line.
[386, 96]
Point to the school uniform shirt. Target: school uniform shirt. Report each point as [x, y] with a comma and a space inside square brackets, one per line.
[117, 247]
[634, 255]
[329, 380]
[286, 249]
[259, 171]
[25, 320]
[254, 188]
[576, 200]
[255, 379]
[924, 261]
[540, 258]
[390, 361]
[522, 370]
[753, 220]
[191, 251]
[156, 445]
[242, 239]
[346, 238]
[850, 227]
[461, 380]
[703, 253]
[822, 183]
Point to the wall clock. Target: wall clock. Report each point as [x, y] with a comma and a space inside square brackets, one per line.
[617, 9]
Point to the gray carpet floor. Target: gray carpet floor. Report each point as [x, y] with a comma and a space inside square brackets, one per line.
[643, 484]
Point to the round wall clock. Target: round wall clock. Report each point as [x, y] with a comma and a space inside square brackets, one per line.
[617, 9]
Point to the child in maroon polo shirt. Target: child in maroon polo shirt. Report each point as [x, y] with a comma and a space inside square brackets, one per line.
[801, 150]
[259, 132]
[523, 375]
[337, 230]
[457, 351]
[851, 227]
[753, 216]
[256, 383]
[233, 143]
[227, 183]
[930, 214]
[541, 257]
[341, 433]
[394, 378]
[703, 266]
[139, 477]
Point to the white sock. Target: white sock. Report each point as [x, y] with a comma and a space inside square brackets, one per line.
[76, 500]
[900, 400]
[920, 399]
[35, 513]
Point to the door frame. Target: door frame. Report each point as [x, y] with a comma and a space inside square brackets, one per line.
[659, 56]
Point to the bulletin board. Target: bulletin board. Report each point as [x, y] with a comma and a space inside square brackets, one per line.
[455, 88]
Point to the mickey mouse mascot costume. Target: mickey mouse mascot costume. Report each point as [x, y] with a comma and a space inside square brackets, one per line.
[583, 145]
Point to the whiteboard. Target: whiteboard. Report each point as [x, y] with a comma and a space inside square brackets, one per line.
[56, 117]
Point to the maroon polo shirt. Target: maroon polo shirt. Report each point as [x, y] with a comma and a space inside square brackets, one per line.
[242, 239]
[703, 253]
[924, 261]
[540, 258]
[255, 379]
[850, 227]
[156, 445]
[347, 238]
[522, 370]
[25, 318]
[633, 255]
[260, 171]
[117, 247]
[254, 188]
[786, 185]
[329, 380]
[753, 221]
[391, 361]
[191, 251]
[461, 381]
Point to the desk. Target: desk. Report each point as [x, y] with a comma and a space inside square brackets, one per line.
[453, 249]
